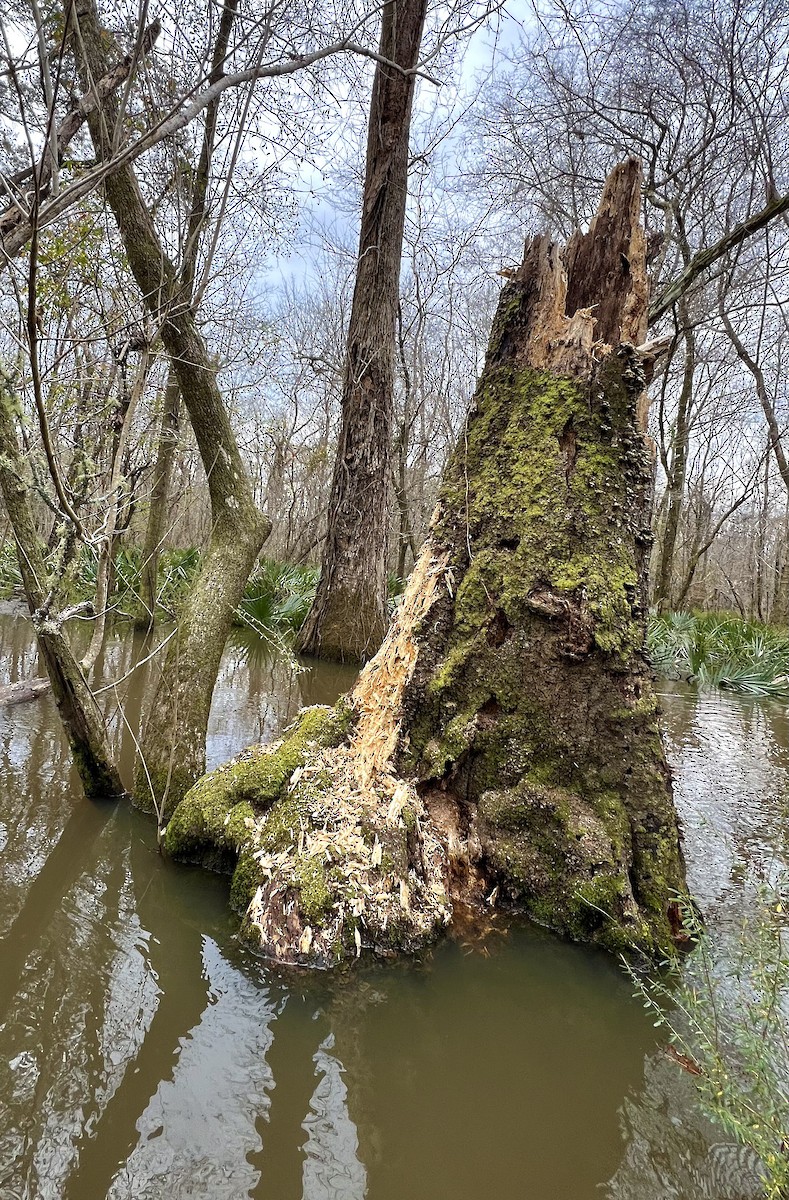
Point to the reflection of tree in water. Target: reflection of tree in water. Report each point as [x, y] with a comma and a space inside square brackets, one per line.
[190, 1066]
[172, 961]
[61, 1062]
[136, 1061]
[731, 767]
[309, 1144]
[260, 690]
[672, 1152]
[499, 1074]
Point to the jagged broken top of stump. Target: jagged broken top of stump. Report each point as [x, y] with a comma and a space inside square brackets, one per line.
[578, 301]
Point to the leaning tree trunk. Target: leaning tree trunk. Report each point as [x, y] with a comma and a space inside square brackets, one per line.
[168, 433]
[349, 614]
[81, 716]
[505, 743]
[173, 743]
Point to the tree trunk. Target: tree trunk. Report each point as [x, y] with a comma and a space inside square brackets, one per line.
[160, 492]
[349, 615]
[82, 719]
[506, 742]
[675, 484]
[173, 743]
[759, 597]
[528, 720]
[168, 435]
[779, 613]
[104, 577]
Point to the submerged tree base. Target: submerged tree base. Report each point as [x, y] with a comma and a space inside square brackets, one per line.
[502, 747]
[323, 864]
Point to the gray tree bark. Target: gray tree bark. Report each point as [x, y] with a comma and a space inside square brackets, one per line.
[349, 615]
[168, 434]
[677, 472]
[156, 523]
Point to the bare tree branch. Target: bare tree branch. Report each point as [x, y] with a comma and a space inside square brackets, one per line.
[179, 116]
[711, 254]
[17, 219]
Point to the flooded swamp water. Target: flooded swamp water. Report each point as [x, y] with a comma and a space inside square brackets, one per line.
[144, 1053]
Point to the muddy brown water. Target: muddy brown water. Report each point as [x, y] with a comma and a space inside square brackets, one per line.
[144, 1053]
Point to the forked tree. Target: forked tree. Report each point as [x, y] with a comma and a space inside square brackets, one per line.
[173, 742]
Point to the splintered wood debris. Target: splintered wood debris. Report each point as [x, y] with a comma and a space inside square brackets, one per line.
[380, 865]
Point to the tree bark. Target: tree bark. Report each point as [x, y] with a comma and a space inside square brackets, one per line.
[527, 719]
[173, 743]
[349, 615]
[160, 492]
[168, 435]
[82, 719]
[779, 612]
[506, 744]
[675, 484]
[104, 576]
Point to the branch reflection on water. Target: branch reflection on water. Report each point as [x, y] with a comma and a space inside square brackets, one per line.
[146, 1054]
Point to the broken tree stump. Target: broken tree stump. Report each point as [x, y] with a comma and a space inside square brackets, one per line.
[503, 744]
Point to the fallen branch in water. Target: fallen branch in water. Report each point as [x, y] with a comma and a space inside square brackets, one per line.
[24, 690]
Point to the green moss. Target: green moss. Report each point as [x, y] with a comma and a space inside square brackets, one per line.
[151, 782]
[283, 824]
[315, 897]
[566, 861]
[564, 524]
[209, 823]
[409, 817]
[247, 877]
[538, 524]
[323, 725]
[609, 807]
[597, 899]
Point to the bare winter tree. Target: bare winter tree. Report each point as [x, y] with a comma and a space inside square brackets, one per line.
[110, 105]
[349, 616]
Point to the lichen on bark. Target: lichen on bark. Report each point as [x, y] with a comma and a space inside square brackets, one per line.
[505, 737]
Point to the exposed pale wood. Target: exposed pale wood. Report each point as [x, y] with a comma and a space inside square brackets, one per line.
[379, 691]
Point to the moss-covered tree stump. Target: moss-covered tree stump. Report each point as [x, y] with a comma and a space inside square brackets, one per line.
[322, 862]
[503, 745]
